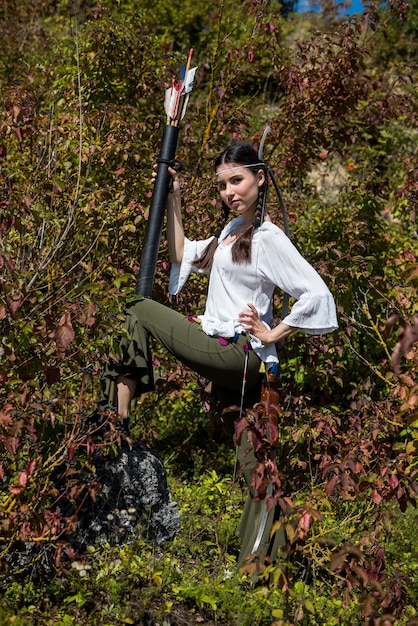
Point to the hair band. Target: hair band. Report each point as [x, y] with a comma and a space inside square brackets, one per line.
[238, 167]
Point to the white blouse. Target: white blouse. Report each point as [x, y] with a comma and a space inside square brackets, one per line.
[275, 262]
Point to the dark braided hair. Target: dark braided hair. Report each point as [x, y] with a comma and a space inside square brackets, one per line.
[240, 154]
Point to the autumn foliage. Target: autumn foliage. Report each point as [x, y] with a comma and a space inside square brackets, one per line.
[82, 118]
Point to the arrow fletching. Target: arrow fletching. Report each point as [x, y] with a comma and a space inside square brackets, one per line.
[188, 83]
[177, 96]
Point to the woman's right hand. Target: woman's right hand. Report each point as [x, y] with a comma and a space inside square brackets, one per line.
[176, 181]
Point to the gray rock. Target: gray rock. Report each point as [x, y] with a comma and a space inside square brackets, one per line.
[134, 492]
[134, 501]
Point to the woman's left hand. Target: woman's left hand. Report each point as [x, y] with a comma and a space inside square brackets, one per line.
[252, 323]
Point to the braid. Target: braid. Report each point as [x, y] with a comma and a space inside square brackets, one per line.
[222, 221]
[260, 207]
[204, 262]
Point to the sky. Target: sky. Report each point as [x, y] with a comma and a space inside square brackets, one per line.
[356, 6]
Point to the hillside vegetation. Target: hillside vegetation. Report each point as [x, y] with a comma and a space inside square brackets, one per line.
[82, 88]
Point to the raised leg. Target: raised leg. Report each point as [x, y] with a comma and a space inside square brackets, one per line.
[125, 389]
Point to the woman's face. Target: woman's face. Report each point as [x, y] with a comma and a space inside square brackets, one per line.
[239, 187]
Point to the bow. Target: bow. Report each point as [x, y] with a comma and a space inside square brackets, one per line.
[270, 174]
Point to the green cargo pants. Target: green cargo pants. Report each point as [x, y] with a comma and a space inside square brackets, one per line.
[256, 524]
[222, 364]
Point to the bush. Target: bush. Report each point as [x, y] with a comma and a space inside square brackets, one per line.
[79, 133]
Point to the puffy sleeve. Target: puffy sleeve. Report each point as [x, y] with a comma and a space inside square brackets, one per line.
[180, 272]
[280, 262]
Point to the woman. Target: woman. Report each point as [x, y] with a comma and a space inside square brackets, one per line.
[247, 259]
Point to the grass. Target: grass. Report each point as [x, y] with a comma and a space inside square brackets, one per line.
[193, 579]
